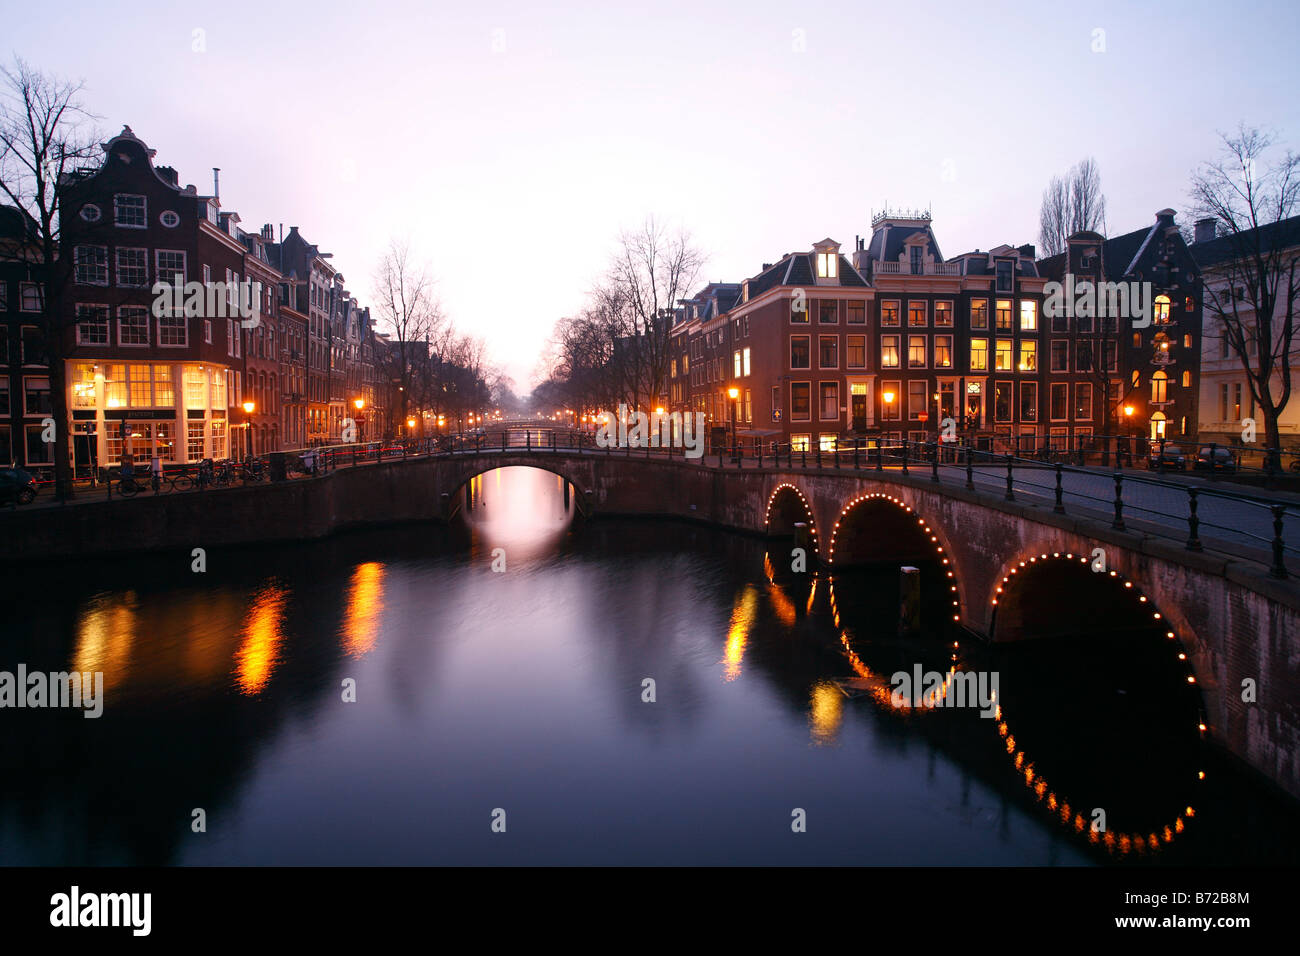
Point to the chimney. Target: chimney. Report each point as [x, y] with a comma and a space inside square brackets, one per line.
[168, 173]
[268, 232]
[1165, 217]
[216, 182]
[1205, 230]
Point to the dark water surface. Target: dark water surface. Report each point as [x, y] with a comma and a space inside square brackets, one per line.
[522, 691]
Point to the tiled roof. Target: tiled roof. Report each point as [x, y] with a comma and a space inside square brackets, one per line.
[1275, 235]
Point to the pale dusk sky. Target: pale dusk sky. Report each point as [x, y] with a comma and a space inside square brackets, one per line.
[511, 142]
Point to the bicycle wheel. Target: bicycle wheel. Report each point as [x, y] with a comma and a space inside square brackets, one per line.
[127, 488]
[182, 483]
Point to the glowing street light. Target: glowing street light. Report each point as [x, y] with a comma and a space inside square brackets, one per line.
[248, 425]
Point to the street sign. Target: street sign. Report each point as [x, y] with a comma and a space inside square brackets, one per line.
[923, 417]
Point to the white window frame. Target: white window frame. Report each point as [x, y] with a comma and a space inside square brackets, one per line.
[117, 266]
[148, 328]
[108, 324]
[77, 266]
[118, 207]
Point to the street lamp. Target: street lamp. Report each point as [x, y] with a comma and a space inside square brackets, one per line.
[248, 425]
[734, 394]
[359, 404]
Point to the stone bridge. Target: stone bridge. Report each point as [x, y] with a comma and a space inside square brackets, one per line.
[1008, 564]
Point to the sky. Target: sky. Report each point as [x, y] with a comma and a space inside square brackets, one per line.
[511, 143]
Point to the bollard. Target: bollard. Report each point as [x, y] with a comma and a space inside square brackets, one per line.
[970, 468]
[1278, 570]
[1193, 522]
[1059, 507]
[1011, 495]
[1118, 523]
[905, 444]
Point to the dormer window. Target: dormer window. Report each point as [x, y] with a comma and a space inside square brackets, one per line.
[917, 263]
[1004, 275]
[828, 265]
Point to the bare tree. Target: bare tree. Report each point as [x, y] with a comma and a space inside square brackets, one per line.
[407, 308]
[1071, 203]
[43, 140]
[651, 271]
[1250, 272]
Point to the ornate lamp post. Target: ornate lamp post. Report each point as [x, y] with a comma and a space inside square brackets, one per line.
[734, 394]
[248, 425]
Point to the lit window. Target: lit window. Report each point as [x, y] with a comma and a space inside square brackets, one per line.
[979, 313]
[943, 314]
[1161, 309]
[979, 355]
[916, 351]
[943, 351]
[1003, 356]
[889, 314]
[828, 265]
[1028, 356]
[1028, 315]
[916, 314]
[889, 351]
[745, 361]
[1004, 314]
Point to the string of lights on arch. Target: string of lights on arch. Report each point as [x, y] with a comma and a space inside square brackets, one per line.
[1121, 843]
[812, 520]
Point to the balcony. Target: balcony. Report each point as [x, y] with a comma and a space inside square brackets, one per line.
[906, 269]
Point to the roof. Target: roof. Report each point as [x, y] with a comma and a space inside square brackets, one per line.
[1282, 234]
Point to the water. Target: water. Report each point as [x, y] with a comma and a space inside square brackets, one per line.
[521, 690]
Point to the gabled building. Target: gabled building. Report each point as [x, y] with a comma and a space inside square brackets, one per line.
[24, 365]
[1144, 354]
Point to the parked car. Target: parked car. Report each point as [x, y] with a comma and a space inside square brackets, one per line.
[1213, 458]
[16, 484]
[1171, 456]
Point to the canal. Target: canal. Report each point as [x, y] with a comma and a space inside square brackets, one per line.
[526, 687]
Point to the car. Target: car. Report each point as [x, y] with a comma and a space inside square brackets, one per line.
[1215, 458]
[17, 485]
[1170, 456]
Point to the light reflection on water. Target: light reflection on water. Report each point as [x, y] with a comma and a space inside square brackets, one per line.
[523, 689]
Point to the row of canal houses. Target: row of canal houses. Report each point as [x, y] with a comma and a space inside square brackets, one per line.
[179, 385]
[893, 340]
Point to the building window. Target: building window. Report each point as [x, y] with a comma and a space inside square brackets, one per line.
[91, 265]
[828, 351]
[1028, 315]
[889, 351]
[889, 314]
[735, 364]
[801, 401]
[916, 315]
[132, 267]
[1003, 355]
[91, 213]
[744, 355]
[890, 400]
[39, 451]
[1060, 355]
[1082, 401]
[129, 211]
[1004, 315]
[1002, 401]
[29, 297]
[943, 315]
[92, 324]
[1158, 391]
[918, 400]
[1060, 406]
[857, 313]
[1187, 379]
[169, 219]
[943, 351]
[917, 263]
[916, 346]
[1029, 401]
[828, 313]
[828, 265]
[1028, 355]
[1160, 310]
[132, 325]
[4, 400]
[1004, 272]
[979, 355]
[171, 266]
[1187, 340]
[799, 442]
[855, 351]
[36, 395]
[173, 332]
[800, 346]
[830, 401]
[979, 313]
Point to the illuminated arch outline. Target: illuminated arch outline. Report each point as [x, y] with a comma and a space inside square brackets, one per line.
[812, 517]
[1123, 843]
[934, 539]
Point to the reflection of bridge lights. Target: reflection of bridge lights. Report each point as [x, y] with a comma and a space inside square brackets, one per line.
[742, 619]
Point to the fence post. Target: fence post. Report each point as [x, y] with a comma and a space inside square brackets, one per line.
[1118, 523]
[970, 468]
[1011, 495]
[1193, 522]
[1278, 570]
[934, 462]
[1059, 507]
[803, 457]
[906, 442]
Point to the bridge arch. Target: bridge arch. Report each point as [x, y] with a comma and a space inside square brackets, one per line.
[787, 504]
[925, 535]
[575, 472]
